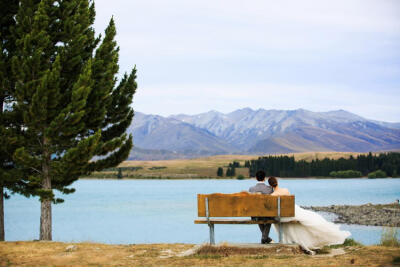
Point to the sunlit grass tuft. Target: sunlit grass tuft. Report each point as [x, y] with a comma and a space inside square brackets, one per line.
[389, 237]
[349, 242]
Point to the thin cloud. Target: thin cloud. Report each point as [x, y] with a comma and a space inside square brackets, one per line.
[202, 55]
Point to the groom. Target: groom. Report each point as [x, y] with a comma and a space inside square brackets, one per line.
[262, 188]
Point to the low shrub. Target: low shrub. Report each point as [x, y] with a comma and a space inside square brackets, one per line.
[349, 242]
[377, 174]
[240, 177]
[345, 174]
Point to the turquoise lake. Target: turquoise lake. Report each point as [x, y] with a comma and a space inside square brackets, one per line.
[163, 211]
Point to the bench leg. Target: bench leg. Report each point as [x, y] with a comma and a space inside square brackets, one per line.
[212, 239]
[280, 233]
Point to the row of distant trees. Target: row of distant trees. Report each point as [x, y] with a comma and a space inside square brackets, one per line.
[287, 166]
[60, 103]
[230, 171]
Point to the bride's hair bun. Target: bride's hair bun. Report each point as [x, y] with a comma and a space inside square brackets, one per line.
[272, 181]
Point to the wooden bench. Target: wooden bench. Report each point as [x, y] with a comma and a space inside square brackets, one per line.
[243, 205]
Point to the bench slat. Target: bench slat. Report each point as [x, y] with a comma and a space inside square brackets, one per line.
[231, 221]
[244, 205]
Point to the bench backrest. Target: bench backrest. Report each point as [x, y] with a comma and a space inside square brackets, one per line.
[244, 205]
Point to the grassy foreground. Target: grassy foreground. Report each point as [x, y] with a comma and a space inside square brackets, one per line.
[92, 254]
[201, 167]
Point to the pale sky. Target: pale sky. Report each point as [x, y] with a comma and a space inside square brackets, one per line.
[193, 56]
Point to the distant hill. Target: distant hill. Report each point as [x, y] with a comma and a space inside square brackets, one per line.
[261, 131]
[138, 153]
[174, 137]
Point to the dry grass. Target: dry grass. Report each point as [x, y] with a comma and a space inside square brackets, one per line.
[91, 254]
[186, 168]
[389, 237]
[204, 167]
[226, 250]
[308, 156]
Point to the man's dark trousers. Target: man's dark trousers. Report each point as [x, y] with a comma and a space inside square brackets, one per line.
[264, 228]
[262, 188]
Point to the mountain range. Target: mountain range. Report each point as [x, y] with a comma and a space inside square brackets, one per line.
[248, 131]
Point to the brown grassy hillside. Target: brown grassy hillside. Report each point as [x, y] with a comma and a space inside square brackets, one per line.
[202, 167]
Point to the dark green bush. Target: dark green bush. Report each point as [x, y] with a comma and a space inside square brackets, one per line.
[240, 177]
[345, 174]
[377, 174]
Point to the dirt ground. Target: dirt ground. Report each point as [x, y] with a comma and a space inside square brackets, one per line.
[93, 254]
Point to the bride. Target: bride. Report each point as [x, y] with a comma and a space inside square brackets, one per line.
[312, 231]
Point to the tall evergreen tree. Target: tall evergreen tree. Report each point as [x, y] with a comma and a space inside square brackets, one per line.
[72, 109]
[285, 166]
[220, 172]
[8, 141]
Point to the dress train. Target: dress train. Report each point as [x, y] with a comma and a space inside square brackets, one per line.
[312, 231]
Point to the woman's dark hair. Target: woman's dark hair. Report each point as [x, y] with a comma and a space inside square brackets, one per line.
[260, 175]
[272, 181]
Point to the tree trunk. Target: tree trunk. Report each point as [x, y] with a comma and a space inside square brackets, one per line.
[45, 220]
[2, 236]
[45, 207]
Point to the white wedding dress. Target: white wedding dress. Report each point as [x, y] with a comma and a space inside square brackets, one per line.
[312, 231]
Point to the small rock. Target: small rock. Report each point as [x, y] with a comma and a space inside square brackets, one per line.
[71, 248]
[164, 257]
[140, 252]
[190, 251]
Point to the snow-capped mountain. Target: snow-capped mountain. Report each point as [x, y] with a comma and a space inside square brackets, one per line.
[264, 131]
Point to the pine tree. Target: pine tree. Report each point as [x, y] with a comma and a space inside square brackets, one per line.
[233, 171]
[230, 171]
[71, 108]
[110, 105]
[220, 172]
[8, 140]
[119, 174]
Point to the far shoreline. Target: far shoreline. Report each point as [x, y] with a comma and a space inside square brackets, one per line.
[233, 178]
[205, 168]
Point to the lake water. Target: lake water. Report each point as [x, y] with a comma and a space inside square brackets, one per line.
[163, 211]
